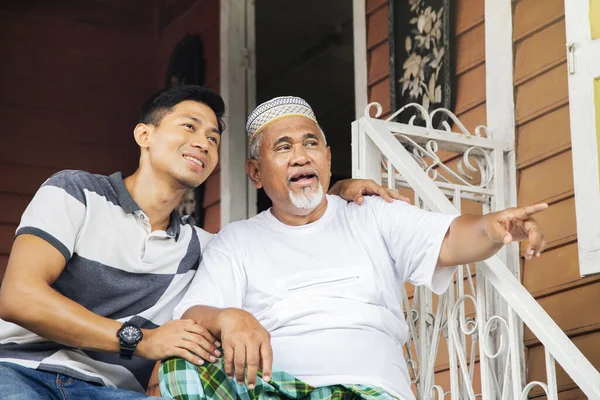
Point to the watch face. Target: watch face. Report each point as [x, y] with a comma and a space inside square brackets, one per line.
[130, 334]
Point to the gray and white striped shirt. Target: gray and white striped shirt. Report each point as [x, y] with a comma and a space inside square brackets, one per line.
[116, 267]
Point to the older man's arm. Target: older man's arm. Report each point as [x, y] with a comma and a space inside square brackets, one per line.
[214, 301]
[245, 341]
[476, 238]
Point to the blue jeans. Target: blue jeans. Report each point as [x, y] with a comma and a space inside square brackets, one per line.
[22, 383]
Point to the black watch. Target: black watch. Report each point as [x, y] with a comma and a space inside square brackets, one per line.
[129, 336]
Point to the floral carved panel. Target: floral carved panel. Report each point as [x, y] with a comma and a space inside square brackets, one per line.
[421, 59]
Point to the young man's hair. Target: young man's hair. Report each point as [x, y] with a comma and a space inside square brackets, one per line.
[161, 103]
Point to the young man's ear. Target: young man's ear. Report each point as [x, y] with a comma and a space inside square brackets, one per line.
[141, 133]
[253, 172]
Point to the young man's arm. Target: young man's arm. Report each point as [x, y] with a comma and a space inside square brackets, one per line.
[476, 238]
[27, 299]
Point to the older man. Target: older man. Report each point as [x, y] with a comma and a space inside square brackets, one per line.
[308, 292]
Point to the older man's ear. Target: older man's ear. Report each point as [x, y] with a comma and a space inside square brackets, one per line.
[253, 172]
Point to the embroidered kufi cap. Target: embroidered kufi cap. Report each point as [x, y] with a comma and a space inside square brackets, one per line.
[274, 110]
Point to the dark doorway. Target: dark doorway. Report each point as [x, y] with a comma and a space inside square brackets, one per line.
[306, 49]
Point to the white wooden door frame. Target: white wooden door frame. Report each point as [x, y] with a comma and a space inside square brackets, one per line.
[237, 75]
[583, 57]
[359, 20]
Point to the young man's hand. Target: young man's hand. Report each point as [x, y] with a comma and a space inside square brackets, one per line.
[179, 338]
[355, 190]
[246, 343]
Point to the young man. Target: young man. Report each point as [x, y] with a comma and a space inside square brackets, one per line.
[309, 291]
[99, 263]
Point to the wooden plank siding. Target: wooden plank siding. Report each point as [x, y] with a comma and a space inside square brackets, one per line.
[199, 18]
[72, 81]
[545, 173]
[470, 91]
[543, 152]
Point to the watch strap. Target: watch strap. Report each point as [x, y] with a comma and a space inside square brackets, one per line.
[127, 350]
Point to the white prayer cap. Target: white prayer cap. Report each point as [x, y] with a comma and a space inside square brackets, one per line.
[274, 110]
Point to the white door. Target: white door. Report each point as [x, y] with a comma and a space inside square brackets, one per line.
[583, 57]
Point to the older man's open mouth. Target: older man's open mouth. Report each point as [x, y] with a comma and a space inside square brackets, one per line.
[303, 178]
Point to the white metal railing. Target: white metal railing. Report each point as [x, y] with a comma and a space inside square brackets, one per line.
[485, 346]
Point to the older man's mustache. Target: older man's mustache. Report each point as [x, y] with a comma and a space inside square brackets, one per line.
[304, 173]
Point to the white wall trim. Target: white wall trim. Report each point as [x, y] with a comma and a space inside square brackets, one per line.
[237, 88]
[583, 64]
[359, 12]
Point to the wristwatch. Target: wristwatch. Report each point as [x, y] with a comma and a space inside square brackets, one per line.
[129, 336]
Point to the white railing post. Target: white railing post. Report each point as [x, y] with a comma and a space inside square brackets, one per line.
[486, 377]
[368, 155]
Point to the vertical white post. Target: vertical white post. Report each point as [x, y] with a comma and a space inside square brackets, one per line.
[359, 13]
[250, 88]
[369, 156]
[356, 150]
[486, 378]
[551, 376]
[500, 103]
[500, 108]
[423, 298]
[452, 350]
[236, 58]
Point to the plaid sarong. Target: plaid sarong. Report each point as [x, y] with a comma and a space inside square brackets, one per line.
[183, 380]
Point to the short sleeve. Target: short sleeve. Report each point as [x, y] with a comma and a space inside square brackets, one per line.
[219, 282]
[414, 239]
[56, 213]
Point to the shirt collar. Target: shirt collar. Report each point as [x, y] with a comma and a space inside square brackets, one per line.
[130, 206]
[174, 227]
[125, 200]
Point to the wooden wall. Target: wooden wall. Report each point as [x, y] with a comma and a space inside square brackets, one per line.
[72, 79]
[545, 170]
[543, 156]
[199, 18]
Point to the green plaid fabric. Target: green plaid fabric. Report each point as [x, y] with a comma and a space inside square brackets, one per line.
[183, 380]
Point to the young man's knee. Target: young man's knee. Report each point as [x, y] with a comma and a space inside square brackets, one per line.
[17, 382]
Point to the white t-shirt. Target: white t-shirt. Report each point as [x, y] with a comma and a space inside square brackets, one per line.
[328, 292]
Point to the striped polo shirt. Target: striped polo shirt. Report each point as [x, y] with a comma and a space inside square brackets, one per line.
[116, 267]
